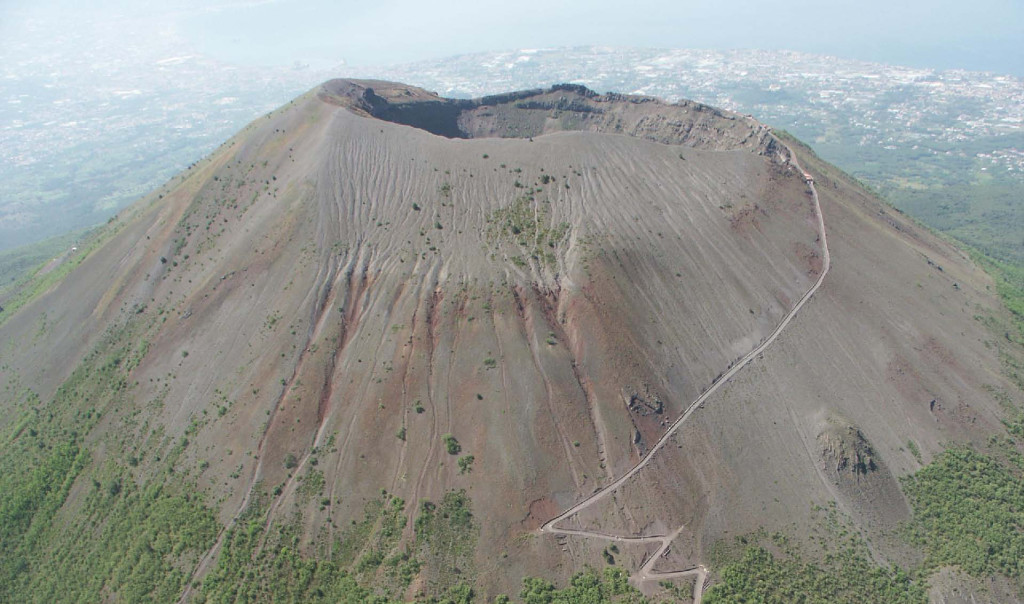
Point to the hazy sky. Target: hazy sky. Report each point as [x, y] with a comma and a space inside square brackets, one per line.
[976, 34]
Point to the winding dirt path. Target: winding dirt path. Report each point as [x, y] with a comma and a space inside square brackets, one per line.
[647, 572]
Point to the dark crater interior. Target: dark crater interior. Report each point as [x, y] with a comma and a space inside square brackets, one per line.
[529, 113]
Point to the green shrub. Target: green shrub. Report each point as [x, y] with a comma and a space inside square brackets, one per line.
[915, 451]
[451, 444]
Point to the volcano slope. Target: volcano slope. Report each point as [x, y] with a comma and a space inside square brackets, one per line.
[378, 339]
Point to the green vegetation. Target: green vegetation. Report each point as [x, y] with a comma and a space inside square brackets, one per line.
[915, 451]
[78, 526]
[769, 568]
[277, 572]
[609, 557]
[588, 587]
[384, 518]
[969, 512]
[981, 213]
[466, 464]
[19, 262]
[945, 185]
[365, 564]
[446, 540]
[142, 532]
[681, 590]
[311, 484]
[760, 576]
[523, 223]
[1009, 340]
[1010, 287]
[451, 444]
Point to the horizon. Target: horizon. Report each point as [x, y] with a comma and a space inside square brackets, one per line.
[944, 35]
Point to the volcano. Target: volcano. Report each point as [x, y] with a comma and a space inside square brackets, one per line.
[401, 345]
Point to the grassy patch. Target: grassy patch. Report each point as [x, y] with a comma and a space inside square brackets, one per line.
[1009, 340]
[915, 451]
[19, 262]
[382, 512]
[760, 576]
[446, 536]
[1009, 280]
[311, 484]
[277, 572]
[143, 541]
[589, 586]
[969, 512]
[681, 590]
[526, 223]
[770, 569]
[368, 569]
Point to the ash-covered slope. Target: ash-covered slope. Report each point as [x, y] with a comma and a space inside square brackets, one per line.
[375, 293]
